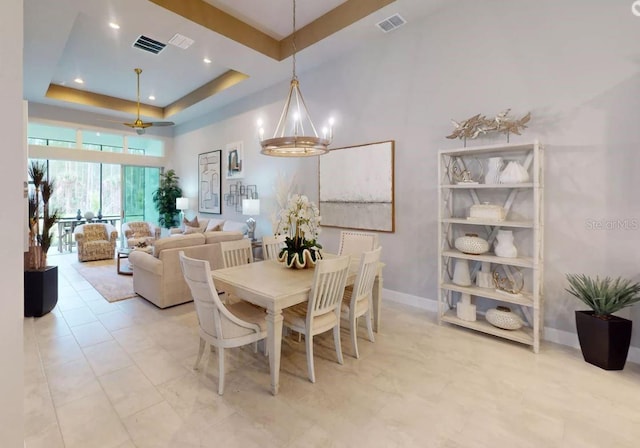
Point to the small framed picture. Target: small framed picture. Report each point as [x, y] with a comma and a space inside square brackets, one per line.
[235, 160]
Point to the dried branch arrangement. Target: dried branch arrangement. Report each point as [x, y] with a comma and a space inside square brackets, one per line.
[39, 213]
[477, 125]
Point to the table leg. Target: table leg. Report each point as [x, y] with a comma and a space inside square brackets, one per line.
[377, 302]
[274, 339]
[60, 236]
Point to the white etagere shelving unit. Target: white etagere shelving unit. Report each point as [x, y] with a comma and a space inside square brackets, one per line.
[523, 203]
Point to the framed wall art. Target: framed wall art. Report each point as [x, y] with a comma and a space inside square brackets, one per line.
[235, 160]
[356, 187]
[210, 182]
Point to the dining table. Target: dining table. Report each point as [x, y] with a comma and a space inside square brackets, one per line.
[273, 286]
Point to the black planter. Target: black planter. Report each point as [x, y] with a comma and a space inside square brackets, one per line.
[40, 291]
[604, 343]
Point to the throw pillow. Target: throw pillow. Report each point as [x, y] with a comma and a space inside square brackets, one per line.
[192, 223]
[189, 230]
[214, 225]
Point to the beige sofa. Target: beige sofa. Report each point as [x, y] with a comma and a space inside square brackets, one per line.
[158, 278]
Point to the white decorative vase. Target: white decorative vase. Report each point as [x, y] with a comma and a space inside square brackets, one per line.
[471, 244]
[465, 310]
[493, 172]
[505, 247]
[503, 317]
[514, 173]
[461, 275]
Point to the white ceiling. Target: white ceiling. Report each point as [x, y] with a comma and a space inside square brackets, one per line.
[65, 39]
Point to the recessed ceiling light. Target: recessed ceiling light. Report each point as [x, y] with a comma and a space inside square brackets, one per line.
[78, 80]
[207, 61]
[151, 97]
[114, 25]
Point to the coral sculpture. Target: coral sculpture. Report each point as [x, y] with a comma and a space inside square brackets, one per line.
[477, 125]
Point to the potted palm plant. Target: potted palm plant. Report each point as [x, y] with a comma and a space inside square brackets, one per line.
[165, 197]
[604, 338]
[40, 280]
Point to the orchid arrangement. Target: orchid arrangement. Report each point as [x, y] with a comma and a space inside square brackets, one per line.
[300, 221]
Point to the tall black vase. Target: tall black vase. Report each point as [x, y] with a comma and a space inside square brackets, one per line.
[40, 291]
[604, 343]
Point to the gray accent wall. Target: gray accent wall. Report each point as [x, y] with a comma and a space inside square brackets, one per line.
[560, 60]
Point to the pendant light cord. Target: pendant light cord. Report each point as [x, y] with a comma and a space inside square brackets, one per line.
[294, 39]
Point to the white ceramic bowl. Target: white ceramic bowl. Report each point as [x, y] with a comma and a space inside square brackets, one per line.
[503, 317]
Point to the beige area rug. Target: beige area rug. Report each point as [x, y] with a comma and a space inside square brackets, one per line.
[103, 277]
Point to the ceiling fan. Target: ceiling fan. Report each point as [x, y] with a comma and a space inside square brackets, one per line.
[138, 124]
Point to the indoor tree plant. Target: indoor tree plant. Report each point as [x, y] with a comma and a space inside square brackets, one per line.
[40, 280]
[300, 221]
[165, 197]
[604, 338]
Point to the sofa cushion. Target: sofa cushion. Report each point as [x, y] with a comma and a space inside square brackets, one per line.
[178, 241]
[235, 226]
[214, 225]
[95, 232]
[219, 236]
[139, 229]
[189, 230]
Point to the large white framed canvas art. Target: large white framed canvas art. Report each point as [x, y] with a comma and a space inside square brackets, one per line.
[356, 187]
[209, 182]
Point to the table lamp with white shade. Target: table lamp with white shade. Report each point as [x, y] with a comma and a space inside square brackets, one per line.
[251, 207]
[182, 204]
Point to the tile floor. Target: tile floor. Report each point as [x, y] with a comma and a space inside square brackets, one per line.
[119, 375]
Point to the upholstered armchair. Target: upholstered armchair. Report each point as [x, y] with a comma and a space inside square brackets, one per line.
[137, 232]
[95, 241]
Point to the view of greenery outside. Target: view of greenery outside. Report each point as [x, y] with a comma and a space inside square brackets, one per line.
[85, 186]
[139, 184]
[94, 187]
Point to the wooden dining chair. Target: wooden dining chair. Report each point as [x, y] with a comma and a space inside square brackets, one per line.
[222, 326]
[235, 253]
[358, 300]
[355, 243]
[272, 245]
[321, 312]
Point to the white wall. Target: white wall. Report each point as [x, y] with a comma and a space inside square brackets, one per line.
[12, 175]
[571, 63]
[259, 170]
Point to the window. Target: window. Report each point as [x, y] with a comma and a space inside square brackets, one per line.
[99, 141]
[92, 140]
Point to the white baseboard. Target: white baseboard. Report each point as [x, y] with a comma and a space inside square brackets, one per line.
[411, 300]
[571, 339]
[550, 334]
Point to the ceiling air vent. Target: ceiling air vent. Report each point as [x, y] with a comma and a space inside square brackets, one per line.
[147, 44]
[181, 41]
[391, 23]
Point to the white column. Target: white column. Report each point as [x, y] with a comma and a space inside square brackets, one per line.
[11, 224]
